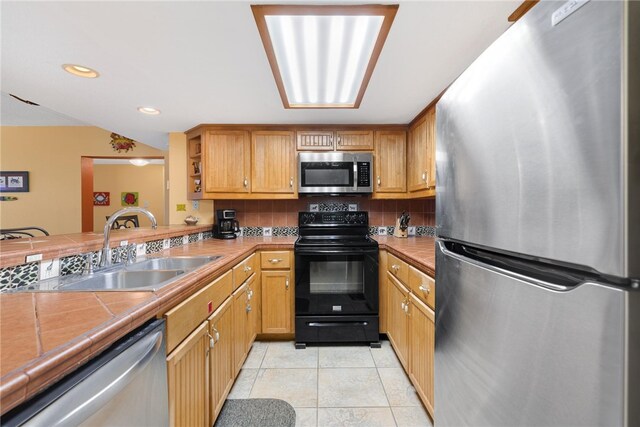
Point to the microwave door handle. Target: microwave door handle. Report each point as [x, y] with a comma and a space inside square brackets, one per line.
[355, 175]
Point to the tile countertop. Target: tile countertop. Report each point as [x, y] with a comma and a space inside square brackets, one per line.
[44, 336]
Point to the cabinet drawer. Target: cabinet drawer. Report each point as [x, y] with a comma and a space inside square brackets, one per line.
[185, 317]
[423, 286]
[243, 270]
[275, 260]
[398, 268]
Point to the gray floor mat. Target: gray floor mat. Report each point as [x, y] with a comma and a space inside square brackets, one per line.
[256, 412]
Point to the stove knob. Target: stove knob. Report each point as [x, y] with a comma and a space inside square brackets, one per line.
[308, 218]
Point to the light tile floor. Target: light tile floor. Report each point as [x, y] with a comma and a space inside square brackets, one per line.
[333, 386]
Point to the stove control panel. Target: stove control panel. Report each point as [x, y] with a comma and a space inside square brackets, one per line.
[333, 218]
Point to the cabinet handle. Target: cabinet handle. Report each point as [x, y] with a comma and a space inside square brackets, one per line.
[406, 309]
[246, 268]
[212, 342]
[249, 295]
[426, 180]
[395, 267]
[339, 141]
[291, 182]
[216, 334]
[248, 308]
[403, 305]
[425, 288]
[424, 176]
[245, 182]
[378, 180]
[286, 284]
[275, 260]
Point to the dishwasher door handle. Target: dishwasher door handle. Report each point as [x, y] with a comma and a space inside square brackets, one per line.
[95, 391]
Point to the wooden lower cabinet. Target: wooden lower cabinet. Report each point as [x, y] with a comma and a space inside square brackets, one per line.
[188, 377]
[277, 302]
[220, 358]
[240, 323]
[421, 348]
[410, 326]
[398, 322]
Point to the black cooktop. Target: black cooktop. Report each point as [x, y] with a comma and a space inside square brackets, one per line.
[343, 229]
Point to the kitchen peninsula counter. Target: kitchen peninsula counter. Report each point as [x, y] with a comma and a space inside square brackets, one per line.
[47, 335]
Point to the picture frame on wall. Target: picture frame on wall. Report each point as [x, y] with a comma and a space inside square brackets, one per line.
[14, 182]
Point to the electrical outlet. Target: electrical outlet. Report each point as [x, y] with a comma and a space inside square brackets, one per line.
[382, 231]
[49, 268]
[33, 258]
[200, 235]
[313, 207]
[266, 231]
[412, 231]
[181, 207]
[185, 240]
[166, 243]
[124, 242]
[353, 207]
[141, 249]
[196, 205]
[145, 204]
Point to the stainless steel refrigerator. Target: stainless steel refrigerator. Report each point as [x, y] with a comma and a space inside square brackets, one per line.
[538, 220]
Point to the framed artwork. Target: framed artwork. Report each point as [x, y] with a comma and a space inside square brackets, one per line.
[129, 198]
[101, 198]
[14, 182]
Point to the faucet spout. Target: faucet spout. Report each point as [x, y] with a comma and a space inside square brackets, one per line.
[105, 259]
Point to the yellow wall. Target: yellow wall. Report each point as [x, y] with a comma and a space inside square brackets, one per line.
[178, 184]
[52, 154]
[147, 181]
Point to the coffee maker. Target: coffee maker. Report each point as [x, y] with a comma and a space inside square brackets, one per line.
[226, 225]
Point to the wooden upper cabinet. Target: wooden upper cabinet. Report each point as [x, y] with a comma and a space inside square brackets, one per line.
[227, 162]
[421, 165]
[273, 162]
[390, 162]
[314, 140]
[354, 140]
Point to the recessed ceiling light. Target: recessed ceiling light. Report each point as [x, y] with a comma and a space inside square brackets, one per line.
[81, 71]
[139, 162]
[323, 56]
[149, 110]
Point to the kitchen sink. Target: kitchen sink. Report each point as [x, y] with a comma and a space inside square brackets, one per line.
[148, 275]
[124, 280]
[172, 263]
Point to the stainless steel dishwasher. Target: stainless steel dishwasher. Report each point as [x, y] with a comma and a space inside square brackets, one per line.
[124, 386]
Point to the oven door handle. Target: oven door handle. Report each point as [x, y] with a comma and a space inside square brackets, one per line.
[333, 324]
[335, 251]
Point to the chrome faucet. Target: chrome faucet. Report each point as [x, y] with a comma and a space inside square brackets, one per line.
[105, 259]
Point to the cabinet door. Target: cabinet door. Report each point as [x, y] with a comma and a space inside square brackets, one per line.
[239, 328]
[227, 162]
[220, 357]
[389, 162]
[273, 157]
[421, 343]
[188, 376]
[397, 323]
[354, 140]
[431, 147]
[277, 301]
[417, 160]
[252, 310]
[314, 140]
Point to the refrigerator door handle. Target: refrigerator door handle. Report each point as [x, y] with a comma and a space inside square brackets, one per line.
[498, 270]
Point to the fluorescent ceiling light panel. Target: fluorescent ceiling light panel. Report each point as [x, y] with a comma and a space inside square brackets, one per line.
[323, 56]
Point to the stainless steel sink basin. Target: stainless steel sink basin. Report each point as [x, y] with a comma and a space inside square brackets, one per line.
[124, 280]
[172, 263]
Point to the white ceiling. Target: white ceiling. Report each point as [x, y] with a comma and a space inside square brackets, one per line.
[17, 113]
[203, 62]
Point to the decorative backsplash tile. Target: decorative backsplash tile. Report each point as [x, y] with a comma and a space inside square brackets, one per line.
[25, 274]
[5, 278]
[285, 231]
[154, 246]
[71, 264]
[176, 241]
[193, 237]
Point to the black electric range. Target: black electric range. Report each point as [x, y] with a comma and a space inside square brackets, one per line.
[336, 279]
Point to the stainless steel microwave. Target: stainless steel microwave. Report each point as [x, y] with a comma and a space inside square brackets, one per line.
[335, 173]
